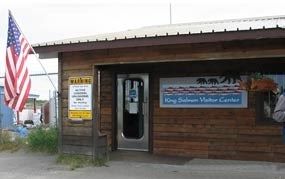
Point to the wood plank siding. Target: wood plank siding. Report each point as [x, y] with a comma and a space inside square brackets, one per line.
[204, 133]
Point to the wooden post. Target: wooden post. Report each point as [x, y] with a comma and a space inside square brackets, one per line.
[100, 141]
[18, 117]
[95, 114]
[35, 107]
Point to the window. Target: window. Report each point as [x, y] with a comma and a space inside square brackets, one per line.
[266, 101]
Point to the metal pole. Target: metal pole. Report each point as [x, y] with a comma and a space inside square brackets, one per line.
[170, 13]
[55, 107]
[33, 51]
[1, 102]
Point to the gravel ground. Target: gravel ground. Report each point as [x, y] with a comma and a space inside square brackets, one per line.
[23, 165]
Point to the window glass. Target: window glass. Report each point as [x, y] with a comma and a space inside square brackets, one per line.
[267, 100]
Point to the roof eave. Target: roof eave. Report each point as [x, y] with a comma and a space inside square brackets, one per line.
[272, 33]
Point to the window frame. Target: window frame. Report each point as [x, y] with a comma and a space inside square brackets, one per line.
[260, 116]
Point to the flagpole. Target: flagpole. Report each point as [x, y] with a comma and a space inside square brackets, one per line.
[34, 52]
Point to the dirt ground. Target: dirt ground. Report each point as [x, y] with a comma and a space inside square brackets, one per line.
[22, 165]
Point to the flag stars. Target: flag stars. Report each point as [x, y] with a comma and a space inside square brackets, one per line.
[13, 37]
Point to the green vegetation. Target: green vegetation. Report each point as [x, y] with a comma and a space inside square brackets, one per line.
[43, 140]
[79, 161]
[46, 140]
[39, 140]
[13, 146]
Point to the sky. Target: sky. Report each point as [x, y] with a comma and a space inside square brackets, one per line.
[48, 20]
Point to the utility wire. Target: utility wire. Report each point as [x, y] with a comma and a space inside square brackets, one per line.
[37, 74]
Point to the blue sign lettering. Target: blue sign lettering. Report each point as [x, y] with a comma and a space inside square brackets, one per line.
[205, 99]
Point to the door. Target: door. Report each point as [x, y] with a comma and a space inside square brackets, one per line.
[132, 112]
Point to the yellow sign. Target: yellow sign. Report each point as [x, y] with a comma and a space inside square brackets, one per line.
[80, 114]
[80, 97]
[79, 80]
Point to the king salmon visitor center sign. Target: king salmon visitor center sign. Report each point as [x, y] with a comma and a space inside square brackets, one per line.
[203, 89]
[201, 92]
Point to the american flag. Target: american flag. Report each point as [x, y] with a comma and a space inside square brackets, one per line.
[17, 83]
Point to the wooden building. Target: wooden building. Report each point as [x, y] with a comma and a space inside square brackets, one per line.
[173, 89]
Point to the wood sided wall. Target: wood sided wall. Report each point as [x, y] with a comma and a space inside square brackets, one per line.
[203, 133]
[215, 133]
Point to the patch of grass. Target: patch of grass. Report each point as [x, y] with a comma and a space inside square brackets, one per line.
[100, 162]
[79, 161]
[13, 146]
[43, 140]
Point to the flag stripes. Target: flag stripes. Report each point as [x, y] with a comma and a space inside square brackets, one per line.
[17, 83]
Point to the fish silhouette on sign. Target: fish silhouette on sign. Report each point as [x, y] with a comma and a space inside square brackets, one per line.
[213, 81]
[230, 78]
[201, 81]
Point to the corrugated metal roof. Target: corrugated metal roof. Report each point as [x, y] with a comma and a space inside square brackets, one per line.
[230, 25]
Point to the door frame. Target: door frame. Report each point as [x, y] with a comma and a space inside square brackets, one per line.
[115, 111]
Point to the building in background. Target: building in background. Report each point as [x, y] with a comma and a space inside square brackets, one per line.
[31, 112]
[7, 116]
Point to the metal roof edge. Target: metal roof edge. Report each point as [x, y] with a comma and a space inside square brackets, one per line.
[171, 29]
[259, 34]
[276, 17]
